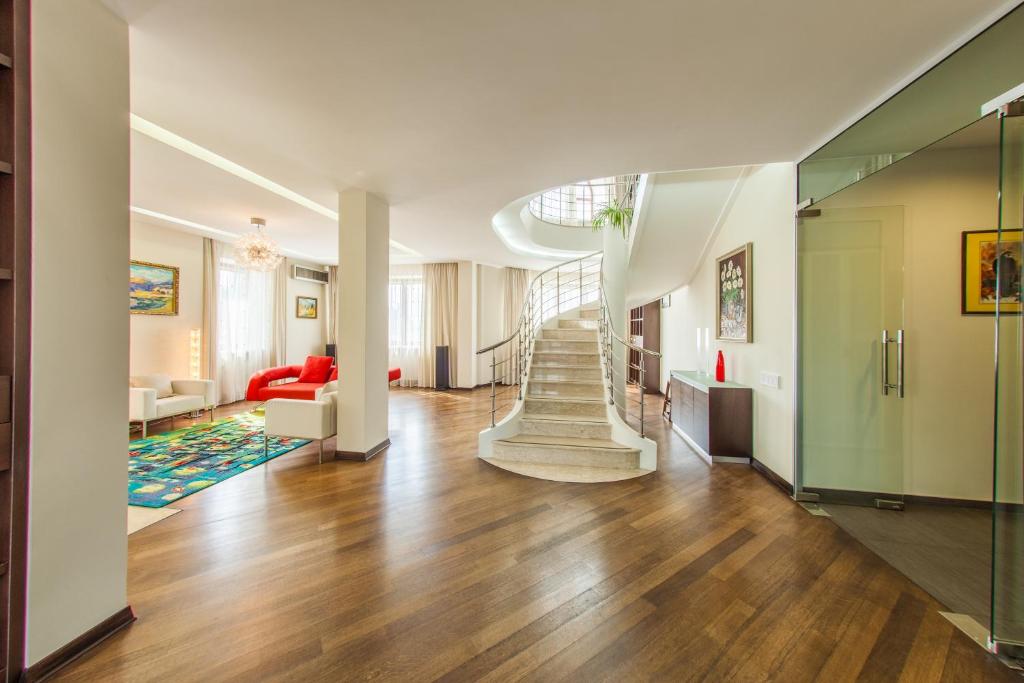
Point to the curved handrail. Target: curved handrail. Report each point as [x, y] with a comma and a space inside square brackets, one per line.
[523, 310]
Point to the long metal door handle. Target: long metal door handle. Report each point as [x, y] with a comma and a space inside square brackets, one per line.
[899, 363]
[885, 362]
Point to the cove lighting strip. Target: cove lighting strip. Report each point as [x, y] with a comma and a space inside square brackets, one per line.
[150, 129]
[213, 231]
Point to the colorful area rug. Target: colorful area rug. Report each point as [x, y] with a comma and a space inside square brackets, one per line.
[168, 467]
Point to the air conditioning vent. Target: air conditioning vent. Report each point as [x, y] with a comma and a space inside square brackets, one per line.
[309, 274]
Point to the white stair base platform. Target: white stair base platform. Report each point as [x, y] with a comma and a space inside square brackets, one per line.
[567, 473]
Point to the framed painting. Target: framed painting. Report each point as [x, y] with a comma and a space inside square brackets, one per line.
[152, 289]
[990, 272]
[735, 306]
[305, 306]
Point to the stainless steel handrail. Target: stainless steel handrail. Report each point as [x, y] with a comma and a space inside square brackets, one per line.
[608, 337]
[532, 316]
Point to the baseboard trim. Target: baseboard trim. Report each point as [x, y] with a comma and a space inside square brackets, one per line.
[54, 662]
[359, 456]
[770, 474]
[867, 498]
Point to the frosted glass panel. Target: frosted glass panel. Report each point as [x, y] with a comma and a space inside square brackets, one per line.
[850, 289]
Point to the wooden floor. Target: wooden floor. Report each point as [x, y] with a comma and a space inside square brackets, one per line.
[427, 563]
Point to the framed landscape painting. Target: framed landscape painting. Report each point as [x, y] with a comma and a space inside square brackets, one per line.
[735, 306]
[152, 289]
[989, 265]
[305, 307]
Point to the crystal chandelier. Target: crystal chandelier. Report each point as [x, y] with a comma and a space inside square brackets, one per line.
[257, 251]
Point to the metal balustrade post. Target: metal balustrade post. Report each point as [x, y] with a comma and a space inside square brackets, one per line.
[558, 292]
[642, 396]
[494, 407]
[581, 283]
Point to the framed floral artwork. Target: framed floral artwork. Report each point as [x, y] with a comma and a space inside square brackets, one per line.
[735, 305]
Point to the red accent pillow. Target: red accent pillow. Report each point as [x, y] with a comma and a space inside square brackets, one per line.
[316, 368]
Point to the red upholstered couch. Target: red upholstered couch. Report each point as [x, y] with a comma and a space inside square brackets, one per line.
[260, 390]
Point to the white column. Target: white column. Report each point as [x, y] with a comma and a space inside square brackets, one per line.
[362, 309]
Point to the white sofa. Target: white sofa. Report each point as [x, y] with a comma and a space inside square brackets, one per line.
[155, 397]
[298, 419]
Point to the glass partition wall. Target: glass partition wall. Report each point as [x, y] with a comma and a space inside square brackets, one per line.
[910, 337]
[1007, 621]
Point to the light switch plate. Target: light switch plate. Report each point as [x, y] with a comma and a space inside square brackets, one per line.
[771, 379]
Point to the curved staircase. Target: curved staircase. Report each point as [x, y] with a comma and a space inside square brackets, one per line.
[563, 429]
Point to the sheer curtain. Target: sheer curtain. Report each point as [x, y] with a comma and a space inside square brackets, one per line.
[405, 324]
[440, 319]
[211, 276]
[516, 282]
[245, 305]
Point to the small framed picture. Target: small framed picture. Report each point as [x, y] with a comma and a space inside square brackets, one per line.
[990, 272]
[305, 306]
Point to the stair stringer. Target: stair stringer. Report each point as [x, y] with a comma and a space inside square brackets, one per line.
[622, 432]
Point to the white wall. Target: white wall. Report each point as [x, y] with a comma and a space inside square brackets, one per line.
[948, 409]
[78, 474]
[305, 335]
[762, 213]
[490, 315]
[160, 343]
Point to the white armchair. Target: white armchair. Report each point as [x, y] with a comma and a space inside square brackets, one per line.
[155, 397]
[299, 419]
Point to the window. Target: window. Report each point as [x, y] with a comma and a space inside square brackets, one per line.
[405, 313]
[244, 329]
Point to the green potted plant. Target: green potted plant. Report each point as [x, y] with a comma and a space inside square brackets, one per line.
[615, 215]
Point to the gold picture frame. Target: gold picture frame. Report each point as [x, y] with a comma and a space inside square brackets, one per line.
[306, 307]
[979, 251]
[152, 288]
[734, 305]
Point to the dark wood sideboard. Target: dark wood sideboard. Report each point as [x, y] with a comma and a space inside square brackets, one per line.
[715, 418]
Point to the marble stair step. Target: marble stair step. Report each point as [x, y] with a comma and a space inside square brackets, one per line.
[566, 372]
[568, 388]
[576, 345]
[590, 313]
[569, 334]
[552, 358]
[562, 450]
[564, 427]
[572, 407]
[577, 324]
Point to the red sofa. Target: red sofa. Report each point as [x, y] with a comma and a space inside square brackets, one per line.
[260, 390]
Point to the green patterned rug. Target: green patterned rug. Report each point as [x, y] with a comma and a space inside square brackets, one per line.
[165, 468]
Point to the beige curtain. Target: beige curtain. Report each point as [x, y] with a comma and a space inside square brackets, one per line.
[517, 280]
[279, 318]
[440, 319]
[330, 317]
[211, 277]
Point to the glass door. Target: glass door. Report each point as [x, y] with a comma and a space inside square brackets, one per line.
[851, 348]
[1007, 625]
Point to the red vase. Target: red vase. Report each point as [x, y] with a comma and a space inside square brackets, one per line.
[720, 368]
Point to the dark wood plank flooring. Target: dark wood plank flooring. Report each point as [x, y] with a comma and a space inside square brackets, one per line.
[426, 563]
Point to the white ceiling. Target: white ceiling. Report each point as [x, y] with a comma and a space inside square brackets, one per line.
[451, 109]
